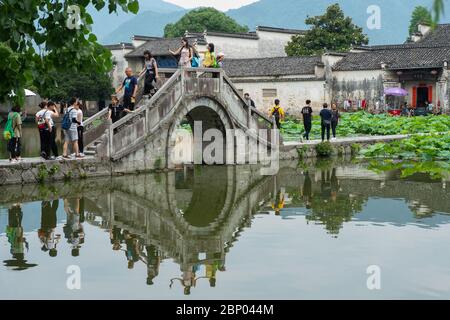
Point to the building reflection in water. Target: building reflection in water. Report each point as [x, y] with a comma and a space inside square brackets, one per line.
[194, 217]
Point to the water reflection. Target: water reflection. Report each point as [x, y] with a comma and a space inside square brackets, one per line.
[16, 239]
[194, 217]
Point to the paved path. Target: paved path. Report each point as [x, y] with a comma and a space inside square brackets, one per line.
[38, 160]
[347, 140]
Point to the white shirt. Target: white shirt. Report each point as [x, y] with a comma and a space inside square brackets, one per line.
[80, 114]
[46, 114]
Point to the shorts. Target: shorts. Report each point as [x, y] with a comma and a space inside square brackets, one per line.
[71, 135]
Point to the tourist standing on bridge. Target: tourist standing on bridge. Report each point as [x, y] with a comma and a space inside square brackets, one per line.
[307, 118]
[80, 129]
[50, 133]
[277, 113]
[210, 60]
[220, 59]
[71, 134]
[151, 73]
[249, 100]
[47, 129]
[335, 116]
[115, 110]
[130, 86]
[14, 146]
[326, 116]
[42, 123]
[185, 52]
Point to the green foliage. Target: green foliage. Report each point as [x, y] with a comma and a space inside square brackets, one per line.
[302, 152]
[419, 15]
[356, 148]
[202, 19]
[437, 10]
[331, 31]
[42, 173]
[68, 176]
[85, 85]
[324, 149]
[158, 164]
[407, 168]
[422, 147]
[53, 170]
[363, 123]
[35, 41]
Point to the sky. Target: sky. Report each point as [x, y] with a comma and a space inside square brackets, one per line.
[218, 4]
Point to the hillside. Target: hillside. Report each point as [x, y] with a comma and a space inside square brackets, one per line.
[155, 14]
[395, 15]
[104, 23]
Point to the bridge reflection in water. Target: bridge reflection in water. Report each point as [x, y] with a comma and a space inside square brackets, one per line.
[194, 216]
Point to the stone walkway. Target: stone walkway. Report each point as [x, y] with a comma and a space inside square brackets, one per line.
[39, 160]
[347, 140]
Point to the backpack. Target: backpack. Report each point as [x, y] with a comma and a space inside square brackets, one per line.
[41, 121]
[215, 63]
[276, 113]
[195, 62]
[8, 133]
[66, 121]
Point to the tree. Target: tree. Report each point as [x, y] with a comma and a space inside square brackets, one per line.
[40, 37]
[437, 10]
[202, 19]
[419, 15]
[92, 86]
[331, 31]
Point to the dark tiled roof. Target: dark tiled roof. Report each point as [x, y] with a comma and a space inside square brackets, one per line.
[119, 46]
[280, 30]
[158, 47]
[430, 52]
[282, 66]
[439, 36]
[138, 37]
[239, 35]
[398, 58]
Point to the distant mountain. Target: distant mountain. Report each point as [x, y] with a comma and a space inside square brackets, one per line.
[147, 23]
[155, 14]
[395, 15]
[105, 23]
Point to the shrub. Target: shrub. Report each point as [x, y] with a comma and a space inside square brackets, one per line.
[324, 149]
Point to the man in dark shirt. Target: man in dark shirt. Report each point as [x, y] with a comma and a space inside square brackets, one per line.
[249, 100]
[115, 110]
[326, 115]
[307, 118]
[130, 86]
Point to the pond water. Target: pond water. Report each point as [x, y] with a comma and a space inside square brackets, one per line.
[228, 233]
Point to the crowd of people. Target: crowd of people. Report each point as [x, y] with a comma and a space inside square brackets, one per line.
[329, 118]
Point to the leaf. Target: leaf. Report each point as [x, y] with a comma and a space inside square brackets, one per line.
[133, 6]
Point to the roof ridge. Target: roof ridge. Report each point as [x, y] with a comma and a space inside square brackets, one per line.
[280, 57]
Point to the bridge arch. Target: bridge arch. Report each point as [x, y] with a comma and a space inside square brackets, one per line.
[209, 111]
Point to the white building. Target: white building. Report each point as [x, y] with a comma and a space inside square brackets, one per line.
[263, 43]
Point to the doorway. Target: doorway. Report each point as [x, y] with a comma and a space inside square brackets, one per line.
[422, 96]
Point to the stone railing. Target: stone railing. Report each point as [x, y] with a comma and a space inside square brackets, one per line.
[130, 132]
[95, 126]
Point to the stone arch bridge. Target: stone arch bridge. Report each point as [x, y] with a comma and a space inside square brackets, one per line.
[146, 139]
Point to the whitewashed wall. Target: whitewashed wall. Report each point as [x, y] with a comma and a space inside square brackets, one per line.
[118, 73]
[291, 94]
[272, 44]
[235, 48]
